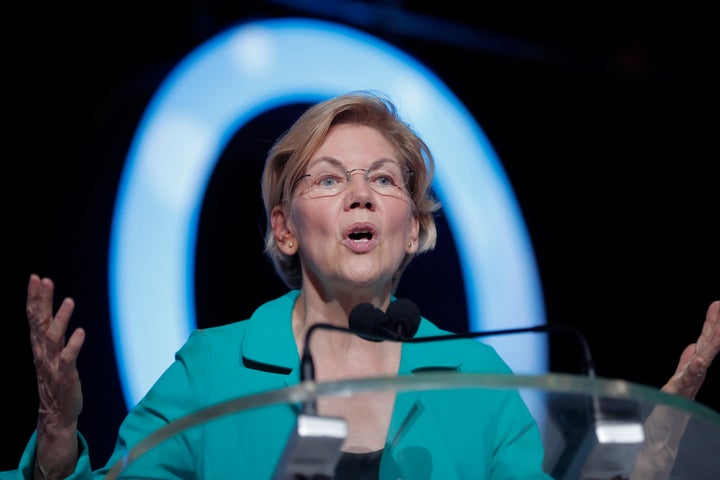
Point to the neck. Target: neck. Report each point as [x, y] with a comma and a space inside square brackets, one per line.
[311, 309]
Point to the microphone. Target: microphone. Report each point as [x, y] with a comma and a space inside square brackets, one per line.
[400, 322]
[313, 449]
[618, 431]
[403, 319]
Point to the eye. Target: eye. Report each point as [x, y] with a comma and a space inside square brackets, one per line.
[384, 178]
[329, 179]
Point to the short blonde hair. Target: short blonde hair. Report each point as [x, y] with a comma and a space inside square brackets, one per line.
[287, 159]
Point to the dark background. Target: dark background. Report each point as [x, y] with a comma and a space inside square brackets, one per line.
[606, 122]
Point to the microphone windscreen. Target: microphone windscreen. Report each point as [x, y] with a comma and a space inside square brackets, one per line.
[404, 318]
[366, 318]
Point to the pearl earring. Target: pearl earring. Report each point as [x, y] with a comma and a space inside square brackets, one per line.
[291, 244]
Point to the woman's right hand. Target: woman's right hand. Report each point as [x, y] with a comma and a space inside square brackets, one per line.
[59, 390]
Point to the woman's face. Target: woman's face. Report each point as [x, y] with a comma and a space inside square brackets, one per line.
[355, 235]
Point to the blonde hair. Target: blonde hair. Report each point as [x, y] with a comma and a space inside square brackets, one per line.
[287, 159]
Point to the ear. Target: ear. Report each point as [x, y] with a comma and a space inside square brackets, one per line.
[282, 232]
[411, 247]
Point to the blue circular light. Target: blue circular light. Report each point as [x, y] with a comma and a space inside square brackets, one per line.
[253, 68]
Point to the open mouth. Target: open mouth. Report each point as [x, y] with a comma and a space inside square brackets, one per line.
[361, 232]
[361, 235]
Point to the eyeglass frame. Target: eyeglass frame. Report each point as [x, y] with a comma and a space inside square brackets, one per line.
[349, 175]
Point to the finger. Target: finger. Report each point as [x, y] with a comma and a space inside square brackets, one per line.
[693, 366]
[708, 344]
[33, 283]
[689, 375]
[33, 296]
[58, 324]
[69, 355]
[40, 300]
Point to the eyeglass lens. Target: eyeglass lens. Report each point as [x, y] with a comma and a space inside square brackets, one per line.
[324, 179]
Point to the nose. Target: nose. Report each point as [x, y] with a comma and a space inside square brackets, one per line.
[359, 194]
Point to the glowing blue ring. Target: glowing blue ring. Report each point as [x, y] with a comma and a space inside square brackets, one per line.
[253, 68]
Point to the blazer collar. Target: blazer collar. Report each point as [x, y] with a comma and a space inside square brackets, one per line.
[269, 341]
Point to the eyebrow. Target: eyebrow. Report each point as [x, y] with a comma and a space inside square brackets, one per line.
[337, 163]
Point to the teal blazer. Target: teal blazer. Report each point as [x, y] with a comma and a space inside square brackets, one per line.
[431, 434]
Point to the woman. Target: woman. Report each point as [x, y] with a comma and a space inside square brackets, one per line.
[346, 193]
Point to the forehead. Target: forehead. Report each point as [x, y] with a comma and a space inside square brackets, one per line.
[347, 143]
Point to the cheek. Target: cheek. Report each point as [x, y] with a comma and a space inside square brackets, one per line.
[406, 223]
[306, 220]
[398, 231]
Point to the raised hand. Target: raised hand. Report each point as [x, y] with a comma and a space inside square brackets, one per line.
[59, 388]
[697, 357]
[665, 426]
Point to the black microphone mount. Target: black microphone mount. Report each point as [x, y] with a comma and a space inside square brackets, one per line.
[400, 323]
